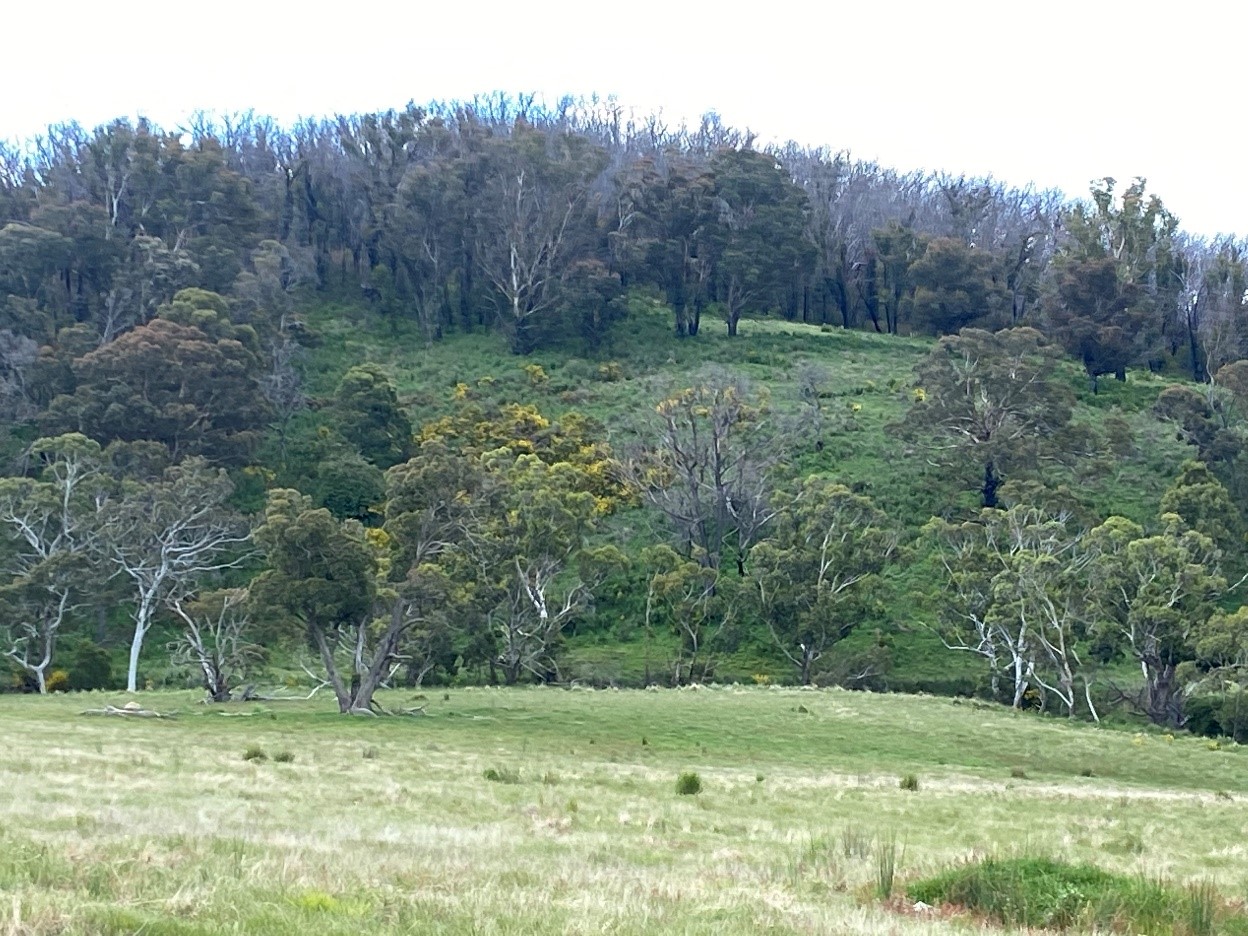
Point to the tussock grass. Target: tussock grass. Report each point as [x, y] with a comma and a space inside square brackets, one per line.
[1052, 894]
[115, 827]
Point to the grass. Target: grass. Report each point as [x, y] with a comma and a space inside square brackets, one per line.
[1053, 894]
[112, 826]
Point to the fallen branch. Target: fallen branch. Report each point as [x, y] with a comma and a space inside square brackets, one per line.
[130, 710]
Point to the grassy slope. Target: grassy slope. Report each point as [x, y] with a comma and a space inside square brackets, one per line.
[869, 387]
[388, 826]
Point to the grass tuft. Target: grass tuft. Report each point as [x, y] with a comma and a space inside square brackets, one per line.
[909, 783]
[501, 775]
[254, 752]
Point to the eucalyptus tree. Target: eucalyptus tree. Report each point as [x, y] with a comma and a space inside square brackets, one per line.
[167, 537]
[52, 528]
[817, 572]
[989, 406]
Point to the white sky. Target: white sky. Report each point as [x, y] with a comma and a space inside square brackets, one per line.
[1056, 92]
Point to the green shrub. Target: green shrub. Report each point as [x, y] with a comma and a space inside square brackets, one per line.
[254, 753]
[909, 783]
[284, 757]
[90, 667]
[501, 775]
[688, 784]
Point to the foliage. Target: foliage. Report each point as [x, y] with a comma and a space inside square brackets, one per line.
[989, 406]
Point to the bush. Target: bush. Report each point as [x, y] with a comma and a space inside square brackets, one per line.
[909, 783]
[57, 681]
[284, 757]
[254, 753]
[501, 775]
[90, 667]
[688, 784]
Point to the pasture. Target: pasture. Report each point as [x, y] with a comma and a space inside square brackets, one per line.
[553, 811]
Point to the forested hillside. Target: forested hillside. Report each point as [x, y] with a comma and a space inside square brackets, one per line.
[485, 392]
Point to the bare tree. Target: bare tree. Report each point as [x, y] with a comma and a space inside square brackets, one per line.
[708, 468]
[538, 187]
[165, 537]
[215, 640]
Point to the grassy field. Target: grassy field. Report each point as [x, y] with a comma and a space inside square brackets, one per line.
[554, 811]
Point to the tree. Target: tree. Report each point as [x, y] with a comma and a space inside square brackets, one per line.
[366, 411]
[367, 599]
[1016, 591]
[167, 536]
[1119, 277]
[953, 287]
[708, 469]
[759, 247]
[665, 214]
[187, 379]
[1156, 593]
[324, 573]
[52, 526]
[533, 209]
[534, 574]
[986, 403]
[817, 571]
[216, 640]
[691, 600]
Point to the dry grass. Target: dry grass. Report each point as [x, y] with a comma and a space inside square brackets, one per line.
[112, 826]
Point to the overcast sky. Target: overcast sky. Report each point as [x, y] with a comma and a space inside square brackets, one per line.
[1053, 93]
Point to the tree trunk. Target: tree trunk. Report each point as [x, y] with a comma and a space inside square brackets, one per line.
[142, 623]
[992, 481]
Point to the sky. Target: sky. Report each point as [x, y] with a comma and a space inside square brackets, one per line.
[1053, 94]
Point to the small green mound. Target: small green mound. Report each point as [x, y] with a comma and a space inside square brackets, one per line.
[1050, 894]
[689, 784]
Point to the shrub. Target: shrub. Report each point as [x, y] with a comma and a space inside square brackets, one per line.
[909, 783]
[254, 753]
[90, 667]
[688, 784]
[501, 775]
[57, 681]
[610, 372]
[1018, 773]
[284, 757]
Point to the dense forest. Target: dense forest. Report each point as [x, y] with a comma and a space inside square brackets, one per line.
[433, 395]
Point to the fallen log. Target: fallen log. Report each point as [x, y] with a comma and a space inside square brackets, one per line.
[129, 710]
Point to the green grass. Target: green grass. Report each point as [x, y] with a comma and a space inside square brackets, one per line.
[117, 826]
[1053, 894]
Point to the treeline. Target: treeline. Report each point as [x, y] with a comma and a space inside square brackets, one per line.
[166, 458]
[502, 213]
